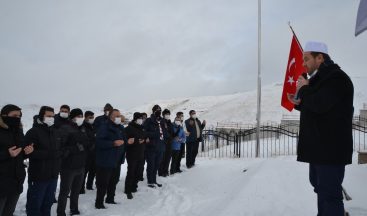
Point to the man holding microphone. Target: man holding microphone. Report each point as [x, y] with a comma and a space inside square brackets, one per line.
[325, 101]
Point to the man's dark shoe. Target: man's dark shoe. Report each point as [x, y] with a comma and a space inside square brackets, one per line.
[74, 212]
[111, 202]
[129, 195]
[151, 185]
[100, 206]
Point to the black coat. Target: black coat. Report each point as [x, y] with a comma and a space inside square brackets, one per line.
[45, 160]
[191, 128]
[151, 127]
[12, 170]
[137, 132]
[326, 108]
[59, 121]
[76, 146]
[170, 134]
[91, 134]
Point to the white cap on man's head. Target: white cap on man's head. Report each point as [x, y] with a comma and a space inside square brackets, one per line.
[313, 46]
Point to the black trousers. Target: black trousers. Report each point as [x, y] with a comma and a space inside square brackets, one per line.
[40, 197]
[163, 167]
[175, 160]
[182, 155]
[140, 165]
[192, 149]
[90, 171]
[8, 204]
[327, 182]
[154, 158]
[106, 180]
[132, 178]
[71, 182]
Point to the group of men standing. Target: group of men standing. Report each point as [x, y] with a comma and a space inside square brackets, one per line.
[77, 148]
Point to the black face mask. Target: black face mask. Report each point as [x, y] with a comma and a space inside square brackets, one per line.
[158, 113]
[12, 122]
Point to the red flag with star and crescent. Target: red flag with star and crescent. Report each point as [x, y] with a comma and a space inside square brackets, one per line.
[294, 70]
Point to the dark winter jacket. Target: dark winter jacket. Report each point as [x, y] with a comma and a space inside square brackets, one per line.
[59, 121]
[151, 126]
[191, 128]
[137, 132]
[179, 137]
[108, 155]
[100, 120]
[12, 170]
[169, 131]
[326, 108]
[91, 133]
[75, 147]
[123, 132]
[45, 160]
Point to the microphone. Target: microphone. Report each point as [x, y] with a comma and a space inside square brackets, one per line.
[296, 94]
[304, 74]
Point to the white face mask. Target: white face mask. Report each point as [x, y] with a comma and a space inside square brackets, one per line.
[182, 118]
[79, 121]
[117, 120]
[49, 121]
[194, 116]
[90, 121]
[167, 117]
[139, 121]
[178, 123]
[64, 115]
[107, 113]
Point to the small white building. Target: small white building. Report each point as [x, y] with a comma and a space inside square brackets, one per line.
[363, 112]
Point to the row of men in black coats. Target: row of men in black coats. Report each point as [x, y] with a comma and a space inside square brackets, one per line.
[74, 146]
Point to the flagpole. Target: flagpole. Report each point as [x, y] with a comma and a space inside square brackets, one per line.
[299, 44]
[258, 117]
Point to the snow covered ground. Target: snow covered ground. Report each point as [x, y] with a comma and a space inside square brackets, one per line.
[215, 187]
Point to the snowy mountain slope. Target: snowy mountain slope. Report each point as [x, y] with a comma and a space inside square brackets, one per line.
[241, 107]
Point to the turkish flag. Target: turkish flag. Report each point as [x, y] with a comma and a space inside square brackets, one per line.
[294, 70]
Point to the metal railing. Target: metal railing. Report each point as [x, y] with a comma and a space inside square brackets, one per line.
[276, 140]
